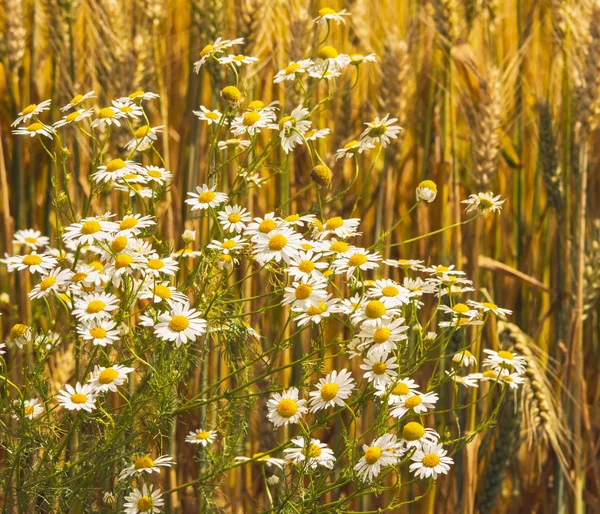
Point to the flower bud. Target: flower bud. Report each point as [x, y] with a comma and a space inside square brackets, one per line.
[321, 175]
[426, 191]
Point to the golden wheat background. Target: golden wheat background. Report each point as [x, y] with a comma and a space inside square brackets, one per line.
[492, 95]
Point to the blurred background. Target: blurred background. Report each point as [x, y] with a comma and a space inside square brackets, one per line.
[493, 96]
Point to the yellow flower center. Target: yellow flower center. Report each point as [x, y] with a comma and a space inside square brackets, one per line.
[32, 260]
[90, 227]
[18, 331]
[72, 117]
[154, 173]
[98, 333]
[329, 391]
[118, 244]
[441, 269]
[143, 462]
[506, 355]
[136, 94]
[431, 460]
[206, 50]
[341, 247]
[378, 130]
[95, 306]
[79, 398]
[461, 308]
[314, 451]
[507, 378]
[155, 264]
[128, 223]
[206, 196]
[267, 226]
[123, 261]
[328, 52]
[106, 113]
[390, 291]
[47, 283]
[306, 266]
[372, 454]
[203, 435]
[413, 431]
[303, 291]
[97, 265]
[325, 11]
[162, 292]
[357, 259]
[491, 306]
[428, 184]
[412, 402]
[31, 239]
[28, 410]
[234, 218]
[277, 242]
[284, 120]
[375, 309]
[126, 109]
[29, 109]
[144, 504]
[78, 277]
[228, 245]
[141, 132]
[351, 144]
[76, 99]
[231, 94]
[379, 368]
[250, 118]
[315, 310]
[35, 127]
[401, 389]
[490, 374]
[333, 223]
[381, 335]
[287, 407]
[107, 376]
[292, 67]
[178, 323]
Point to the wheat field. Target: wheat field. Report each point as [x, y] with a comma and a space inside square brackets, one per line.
[483, 97]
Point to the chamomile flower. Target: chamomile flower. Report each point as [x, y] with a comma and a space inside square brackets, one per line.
[405, 264]
[233, 144]
[73, 117]
[80, 397]
[94, 306]
[56, 280]
[116, 169]
[31, 111]
[33, 262]
[31, 409]
[215, 48]
[357, 59]
[281, 244]
[107, 117]
[145, 464]
[313, 454]
[415, 435]
[389, 292]
[329, 57]
[416, 403]
[89, 230]
[373, 313]
[139, 96]
[144, 500]
[292, 70]
[157, 266]
[35, 129]
[383, 451]
[159, 292]
[237, 60]
[380, 371]
[208, 116]
[292, 128]
[357, 258]
[327, 15]
[128, 108]
[464, 358]
[322, 69]
[158, 175]
[483, 202]
[108, 379]
[353, 148]
[382, 338]
[31, 238]
[503, 376]
[381, 131]
[263, 458]
[234, 218]
[398, 391]
[20, 335]
[201, 436]
[180, 325]
[252, 122]
[430, 461]
[306, 265]
[332, 390]
[470, 380]
[205, 197]
[264, 225]
[286, 407]
[489, 307]
[505, 360]
[100, 331]
[133, 224]
[460, 310]
[305, 292]
[228, 244]
[315, 312]
[339, 227]
[314, 134]
[144, 137]
[136, 188]
[77, 100]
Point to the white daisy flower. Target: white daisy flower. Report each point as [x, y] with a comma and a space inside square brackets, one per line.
[389, 292]
[30, 111]
[416, 403]
[90, 230]
[35, 129]
[156, 266]
[305, 292]
[31, 409]
[139, 96]
[80, 397]
[471, 380]
[292, 70]
[502, 376]
[108, 379]
[332, 390]
[30, 238]
[380, 371]
[382, 338]
[33, 262]
[159, 292]
[339, 227]
[356, 258]
[157, 174]
[205, 197]
[73, 117]
[200, 436]
[335, 247]
[94, 306]
[215, 48]
[383, 451]
[20, 335]
[489, 307]
[252, 122]
[133, 224]
[227, 245]
[314, 134]
[77, 99]
[128, 108]
[306, 265]
[185, 253]
[144, 137]
[354, 147]
[397, 392]
[430, 461]
[315, 312]
[264, 225]
[286, 407]
[483, 202]
[106, 117]
[234, 218]
[145, 464]
[56, 280]
[372, 313]
[116, 169]
[460, 310]
[263, 458]
[327, 15]
[292, 128]
[381, 131]
[464, 358]
[311, 455]
[144, 500]
[281, 244]
[505, 360]
[330, 60]
[237, 60]
[100, 331]
[209, 116]
[357, 59]
[415, 435]
[233, 144]
[181, 324]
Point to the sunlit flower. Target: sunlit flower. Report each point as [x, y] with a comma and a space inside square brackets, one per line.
[139, 96]
[145, 464]
[306, 265]
[305, 292]
[56, 280]
[30, 238]
[205, 197]
[398, 391]
[228, 244]
[415, 435]
[100, 331]
[263, 458]
[73, 117]
[33, 262]
[31, 111]
[209, 116]
[108, 379]
[416, 403]
[157, 265]
[128, 108]
[430, 461]
[35, 129]
[426, 191]
[381, 131]
[332, 390]
[237, 60]
[382, 338]
[156, 174]
[286, 407]
[281, 244]
[234, 218]
[90, 230]
[144, 500]
[464, 358]
[252, 122]
[200, 436]
[383, 451]
[327, 14]
[353, 148]
[144, 137]
[381, 371]
[315, 312]
[313, 454]
[80, 397]
[505, 360]
[180, 325]
[77, 100]
[489, 307]
[116, 169]
[94, 306]
[31, 409]
[233, 144]
[483, 202]
[106, 117]
[215, 48]
[292, 70]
